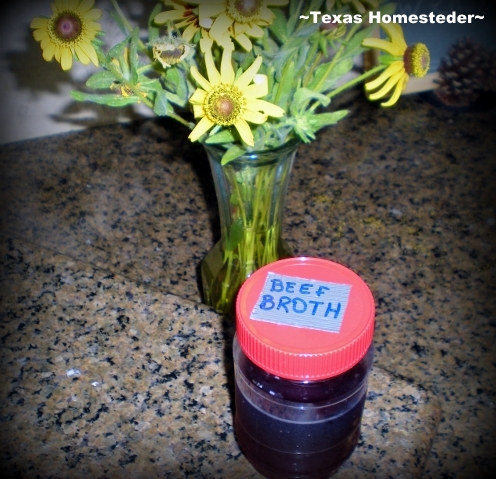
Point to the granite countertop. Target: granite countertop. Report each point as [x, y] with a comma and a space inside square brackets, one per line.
[112, 367]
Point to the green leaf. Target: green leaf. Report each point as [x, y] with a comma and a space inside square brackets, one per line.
[231, 154]
[162, 106]
[118, 50]
[100, 80]
[109, 99]
[325, 119]
[339, 70]
[285, 86]
[307, 30]
[120, 22]
[354, 46]
[291, 24]
[303, 97]
[133, 56]
[225, 136]
[149, 84]
[120, 53]
[279, 26]
[235, 234]
[153, 30]
[175, 80]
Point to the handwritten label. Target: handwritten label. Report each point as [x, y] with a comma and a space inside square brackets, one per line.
[301, 302]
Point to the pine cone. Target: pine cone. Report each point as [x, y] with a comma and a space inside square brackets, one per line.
[467, 72]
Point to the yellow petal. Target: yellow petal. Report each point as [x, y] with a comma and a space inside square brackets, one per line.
[254, 117]
[198, 96]
[265, 107]
[49, 51]
[164, 17]
[40, 35]
[255, 31]
[245, 79]
[66, 59]
[198, 111]
[220, 25]
[94, 14]
[86, 5]
[205, 42]
[244, 41]
[212, 72]
[382, 45]
[244, 131]
[266, 15]
[190, 31]
[400, 86]
[239, 28]
[259, 88]
[395, 33]
[201, 128]
[387, 73]
[82, 57]
[226, 68]
[90, 52]
[211, 10]
[92, 28]
[200, 79]
[393, 80]
[38, 23]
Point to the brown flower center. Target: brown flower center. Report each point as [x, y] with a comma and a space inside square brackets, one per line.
[244, 11]
[417, 60]
[67, 27]
[224, 105]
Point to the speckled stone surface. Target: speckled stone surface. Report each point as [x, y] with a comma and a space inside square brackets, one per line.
[405, 197]
[104, 378]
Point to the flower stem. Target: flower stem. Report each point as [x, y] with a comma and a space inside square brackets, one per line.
[336, 57]
[125, 22]
[356, 80]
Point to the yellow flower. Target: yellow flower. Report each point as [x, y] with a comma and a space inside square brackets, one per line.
[227, 101]
[68, 32]
[238, 19]
[183, 15]
[406, 61]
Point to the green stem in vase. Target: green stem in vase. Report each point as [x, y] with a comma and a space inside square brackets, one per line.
[251, 195]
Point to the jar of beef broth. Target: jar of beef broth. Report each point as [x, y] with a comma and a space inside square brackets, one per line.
[302, 354]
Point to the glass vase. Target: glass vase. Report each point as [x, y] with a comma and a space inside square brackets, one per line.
[251, 192]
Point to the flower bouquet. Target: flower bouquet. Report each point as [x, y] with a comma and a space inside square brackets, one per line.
[250, 80]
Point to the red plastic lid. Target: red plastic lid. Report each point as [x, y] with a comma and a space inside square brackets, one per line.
[305, 318]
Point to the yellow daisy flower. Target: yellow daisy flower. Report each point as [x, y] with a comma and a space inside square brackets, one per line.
[182, 15]
[68, 32]
[406, 61]
[226, 101]
[238, 19]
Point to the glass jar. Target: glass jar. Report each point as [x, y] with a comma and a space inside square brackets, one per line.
[302, 354]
